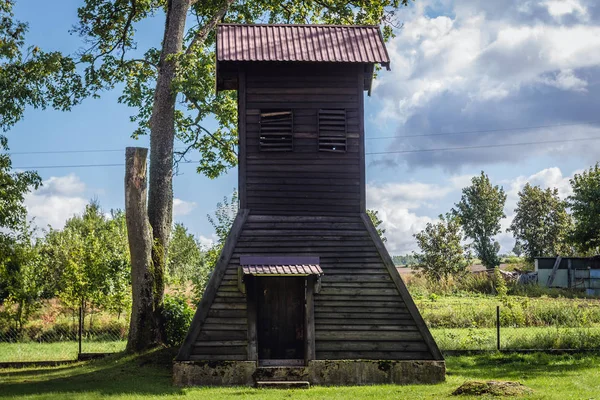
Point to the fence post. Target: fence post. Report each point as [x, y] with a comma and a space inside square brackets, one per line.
[498, 327]
[80, 326]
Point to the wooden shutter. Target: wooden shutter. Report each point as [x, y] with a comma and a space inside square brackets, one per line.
[332, 130]
[276, 130]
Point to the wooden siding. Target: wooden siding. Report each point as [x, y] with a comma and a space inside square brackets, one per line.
[306, 179]
[359, 312]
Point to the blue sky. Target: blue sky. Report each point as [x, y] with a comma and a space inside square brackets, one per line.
[466, 66]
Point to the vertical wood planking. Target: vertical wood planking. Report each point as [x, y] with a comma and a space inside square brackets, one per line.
[242, 138]
[310, 318]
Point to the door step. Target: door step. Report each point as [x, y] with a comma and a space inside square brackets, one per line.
[281, 374]
[283, 384]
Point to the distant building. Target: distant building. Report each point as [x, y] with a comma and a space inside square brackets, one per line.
[569, 272]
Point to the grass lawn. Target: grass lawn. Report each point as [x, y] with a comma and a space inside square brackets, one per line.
[148, 377]
[517, 338]
[58, 351]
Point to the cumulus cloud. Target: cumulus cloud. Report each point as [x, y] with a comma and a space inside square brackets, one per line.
[406, 208]
[478, 66]
[400, 208]
[182, 207]
[56, 201]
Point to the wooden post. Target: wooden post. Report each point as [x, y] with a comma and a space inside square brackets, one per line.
[309, 318]
[80, 326]
[498, 327]
[251, 314]
[143, 330]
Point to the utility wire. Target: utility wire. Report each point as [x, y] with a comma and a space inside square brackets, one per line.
[368, 138]
[369, 154]
[526, 128]
[488, 146]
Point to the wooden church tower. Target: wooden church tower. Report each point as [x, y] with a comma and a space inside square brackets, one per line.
[304, 281]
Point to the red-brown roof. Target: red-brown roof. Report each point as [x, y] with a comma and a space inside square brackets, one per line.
[300, 270]
[314, 43]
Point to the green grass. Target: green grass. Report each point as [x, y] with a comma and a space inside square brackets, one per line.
[148, 377]
[537, 338]
[58, 351]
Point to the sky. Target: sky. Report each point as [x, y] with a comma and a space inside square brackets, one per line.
[469, 73]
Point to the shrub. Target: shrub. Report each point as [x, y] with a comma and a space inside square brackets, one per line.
[177, 316]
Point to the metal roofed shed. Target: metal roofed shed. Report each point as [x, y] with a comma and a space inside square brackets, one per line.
[281, 43]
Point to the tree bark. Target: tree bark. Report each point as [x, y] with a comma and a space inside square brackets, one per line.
[162, 136]
[143, 327]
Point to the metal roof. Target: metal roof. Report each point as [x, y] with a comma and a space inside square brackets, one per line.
[313, 43]
[299, 270]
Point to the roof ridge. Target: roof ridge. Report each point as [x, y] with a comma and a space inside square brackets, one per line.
[303, 25]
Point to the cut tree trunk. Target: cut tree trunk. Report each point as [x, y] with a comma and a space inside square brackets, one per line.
[143, 327]
[162, 136]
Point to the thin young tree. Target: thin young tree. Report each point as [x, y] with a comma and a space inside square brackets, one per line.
[480, 210]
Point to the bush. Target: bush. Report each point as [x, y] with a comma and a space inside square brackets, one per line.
[178, 316]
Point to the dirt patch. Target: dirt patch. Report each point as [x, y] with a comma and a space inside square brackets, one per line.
[494, 388]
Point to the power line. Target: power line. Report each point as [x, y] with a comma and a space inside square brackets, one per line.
[372, 153]
[12, 153]
[526, 128]
[483, 146]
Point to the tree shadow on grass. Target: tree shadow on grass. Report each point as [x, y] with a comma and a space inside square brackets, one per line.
[146, 374]
[520, 366]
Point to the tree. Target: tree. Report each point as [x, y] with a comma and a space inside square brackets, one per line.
[373, 215]
[222, 222]
[172, 84]
[88, 260]
[517, 249]
[185, 256]
[480, 210]
[585, 208]
[21, 285]
[30, 76]
[541, 223]
[442, 253]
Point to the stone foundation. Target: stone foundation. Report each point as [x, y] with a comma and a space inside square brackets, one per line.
[318, 372]
[213, 373]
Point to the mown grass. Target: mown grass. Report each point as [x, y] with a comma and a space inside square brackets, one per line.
[58, 351]
[149, 377]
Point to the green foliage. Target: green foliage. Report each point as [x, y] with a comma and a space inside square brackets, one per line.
[407, 259]
[185, 257]
[177, 315]
[113, 58]
[480, 210]
[88, 261]
[518, 249]
[21, 285]
[373, 215]
[30, 76]
[541, 223]
[222, 222]
[442, 254]
[585, 207]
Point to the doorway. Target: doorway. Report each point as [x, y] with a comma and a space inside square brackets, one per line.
[280, 320]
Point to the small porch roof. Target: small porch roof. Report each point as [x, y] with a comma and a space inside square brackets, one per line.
[280, 266]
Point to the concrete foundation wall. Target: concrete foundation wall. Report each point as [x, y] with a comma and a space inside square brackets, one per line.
[318, 372]
[213, 373]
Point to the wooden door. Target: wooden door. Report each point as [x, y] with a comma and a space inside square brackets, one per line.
[280, 318]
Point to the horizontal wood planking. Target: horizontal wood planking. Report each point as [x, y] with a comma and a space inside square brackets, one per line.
[358, 310]
[373, 355]
[302, 180]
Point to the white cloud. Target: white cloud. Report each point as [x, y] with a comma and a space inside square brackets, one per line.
[397, 205]
[207, 242]
[560, 8]
[56, 201]
[484, 58]
[182, 207]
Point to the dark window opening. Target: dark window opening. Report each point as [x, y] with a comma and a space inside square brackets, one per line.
[276, 130]
[332, 131]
